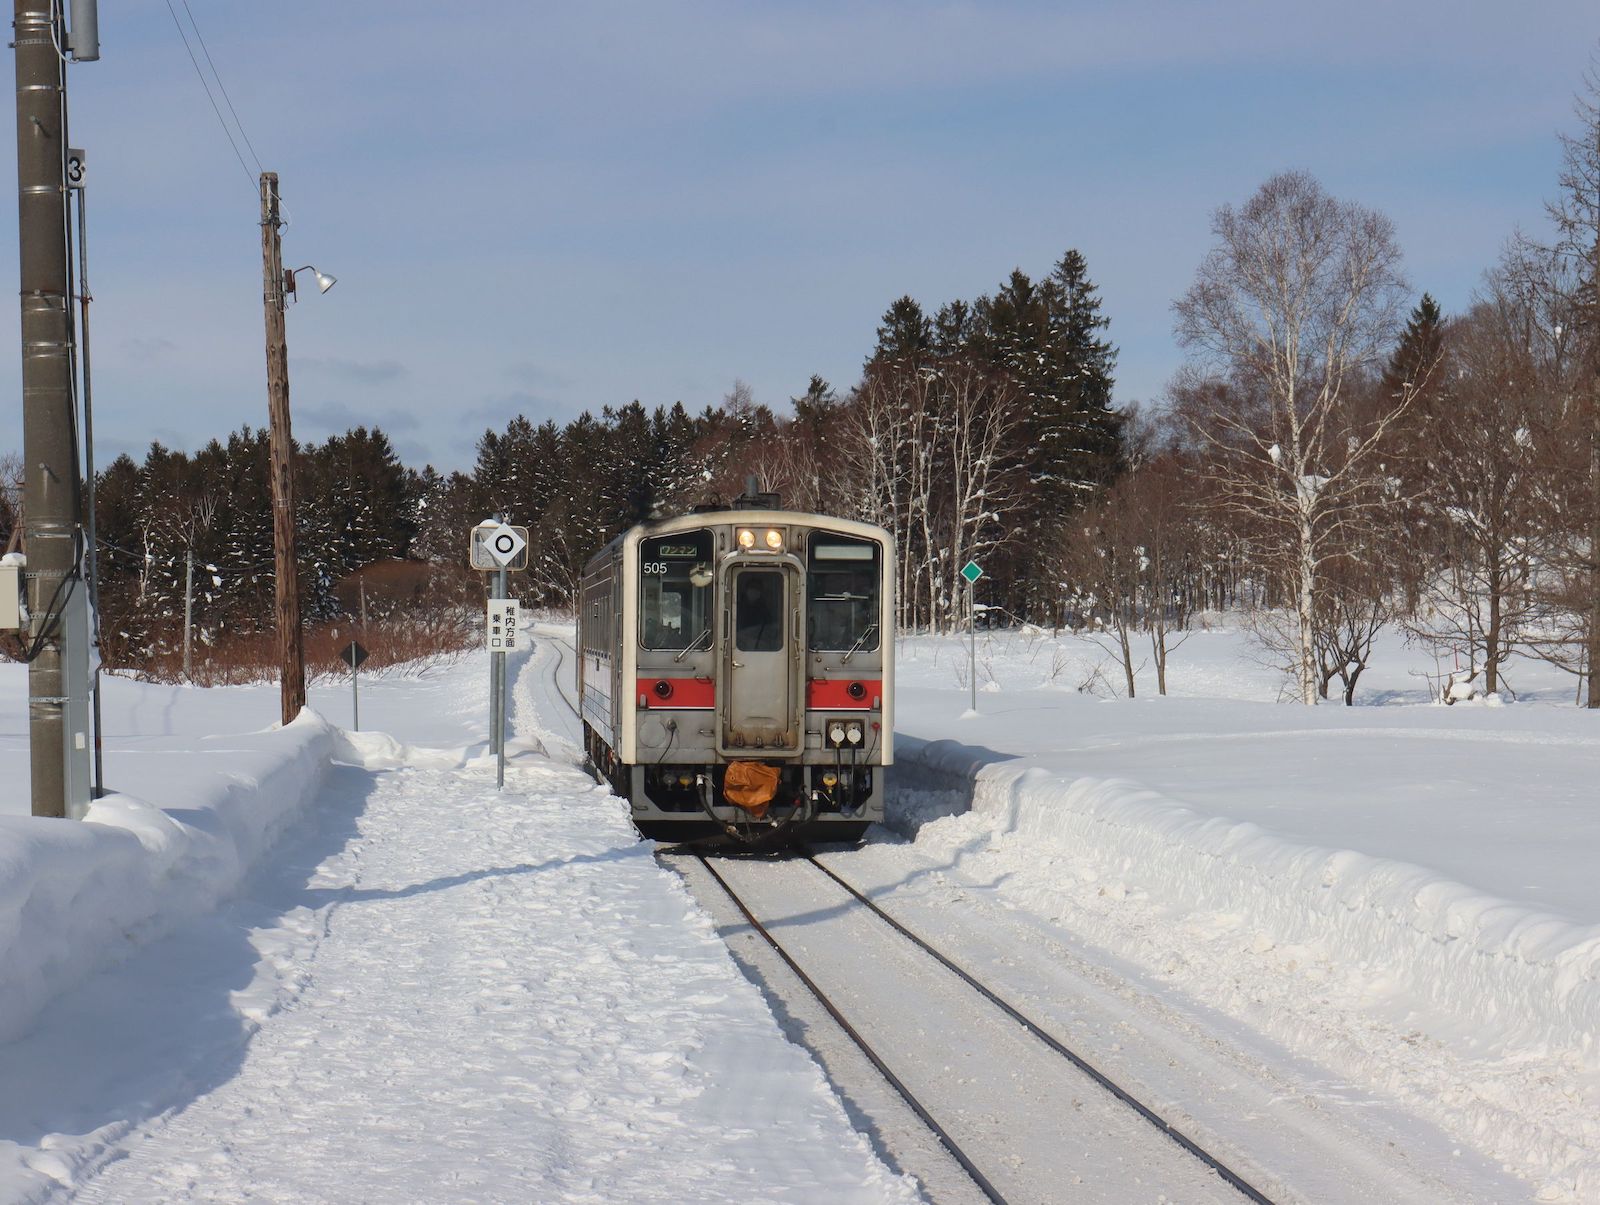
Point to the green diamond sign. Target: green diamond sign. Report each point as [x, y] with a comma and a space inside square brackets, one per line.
[971, 572]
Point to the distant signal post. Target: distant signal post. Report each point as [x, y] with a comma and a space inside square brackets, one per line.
[972, 571]
[499, 548]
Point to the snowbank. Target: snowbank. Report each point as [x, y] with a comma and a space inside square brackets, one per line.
[1521, 982]
[75, 896]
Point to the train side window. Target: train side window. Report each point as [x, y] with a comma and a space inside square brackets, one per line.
[842, 593]
[675, 590]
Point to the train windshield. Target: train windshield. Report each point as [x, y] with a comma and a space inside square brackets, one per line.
[842, 593]
[675, 590]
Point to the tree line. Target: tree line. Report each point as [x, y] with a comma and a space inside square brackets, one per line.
[1334, 458]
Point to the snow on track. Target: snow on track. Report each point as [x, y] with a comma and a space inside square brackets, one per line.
[1037, 1128]
[1278, 1120]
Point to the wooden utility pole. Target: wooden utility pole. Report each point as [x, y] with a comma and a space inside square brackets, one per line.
[291, 650]
[51, 483]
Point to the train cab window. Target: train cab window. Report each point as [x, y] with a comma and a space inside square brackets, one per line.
[675, 590]
[842, 583]
[758, 611]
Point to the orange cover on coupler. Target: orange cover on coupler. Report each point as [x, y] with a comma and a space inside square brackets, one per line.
[751, 786]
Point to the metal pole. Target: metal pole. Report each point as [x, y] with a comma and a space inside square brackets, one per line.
[492, 586]
[355, 670]
[500, 724]
[51, 524]
[972, 642]
[188, 614]
[494, 688]
[291, 651]
[92, 550]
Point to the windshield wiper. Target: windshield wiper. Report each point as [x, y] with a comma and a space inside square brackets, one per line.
[860, 640]
[692, 645]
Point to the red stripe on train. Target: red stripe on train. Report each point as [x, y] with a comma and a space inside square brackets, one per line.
[698, 693]
[843, 694]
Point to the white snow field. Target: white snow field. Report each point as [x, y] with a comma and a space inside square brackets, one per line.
[1404, 893]
[426, 991]
[327, 967]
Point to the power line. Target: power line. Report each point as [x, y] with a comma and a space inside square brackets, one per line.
[243, 133]
[243, 166]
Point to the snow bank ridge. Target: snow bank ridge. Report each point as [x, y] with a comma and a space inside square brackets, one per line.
[1518, 981]
[74, 896]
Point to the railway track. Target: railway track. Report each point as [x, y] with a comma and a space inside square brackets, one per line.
[555, 678]
[988, 1153]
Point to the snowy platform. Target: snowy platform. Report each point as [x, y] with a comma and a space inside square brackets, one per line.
[427, 991]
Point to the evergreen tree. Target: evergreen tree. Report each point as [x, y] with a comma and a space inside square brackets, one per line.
[906, 335]
[1416, 362]
[1047, 338]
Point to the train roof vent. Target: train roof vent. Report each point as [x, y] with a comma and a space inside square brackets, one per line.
[755, 499]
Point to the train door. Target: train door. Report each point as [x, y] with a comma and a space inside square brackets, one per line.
[761, 654]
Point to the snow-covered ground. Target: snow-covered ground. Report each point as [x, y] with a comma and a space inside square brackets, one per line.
[1402, 892]
[428, 991]
[1399, 896]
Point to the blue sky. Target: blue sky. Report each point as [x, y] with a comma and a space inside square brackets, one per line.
[541, 209]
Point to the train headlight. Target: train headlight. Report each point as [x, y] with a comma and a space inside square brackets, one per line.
[747, 538]
[854, 734]
[774, 539]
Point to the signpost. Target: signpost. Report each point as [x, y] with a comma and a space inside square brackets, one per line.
[353, 655]
[504, 616]
[499, 548]
[972, 571]
[497, 545]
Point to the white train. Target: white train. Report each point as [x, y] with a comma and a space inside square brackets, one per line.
[736, 672]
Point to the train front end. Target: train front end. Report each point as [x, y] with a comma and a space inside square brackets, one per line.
[752, 681]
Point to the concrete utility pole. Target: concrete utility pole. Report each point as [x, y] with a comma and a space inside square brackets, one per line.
[51, 484]
[291, 649]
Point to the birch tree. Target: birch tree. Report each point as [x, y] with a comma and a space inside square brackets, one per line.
[1576, 213]
[1298, 298]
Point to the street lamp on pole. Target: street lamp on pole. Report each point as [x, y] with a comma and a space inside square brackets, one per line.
[324, 281]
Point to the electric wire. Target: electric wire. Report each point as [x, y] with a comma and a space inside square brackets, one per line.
[243, 166]
[204, 49]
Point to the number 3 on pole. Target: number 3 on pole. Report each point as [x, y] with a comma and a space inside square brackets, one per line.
[77, 168]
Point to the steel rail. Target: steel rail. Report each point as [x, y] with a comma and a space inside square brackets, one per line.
[854, 1035]
[1233, 1178]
